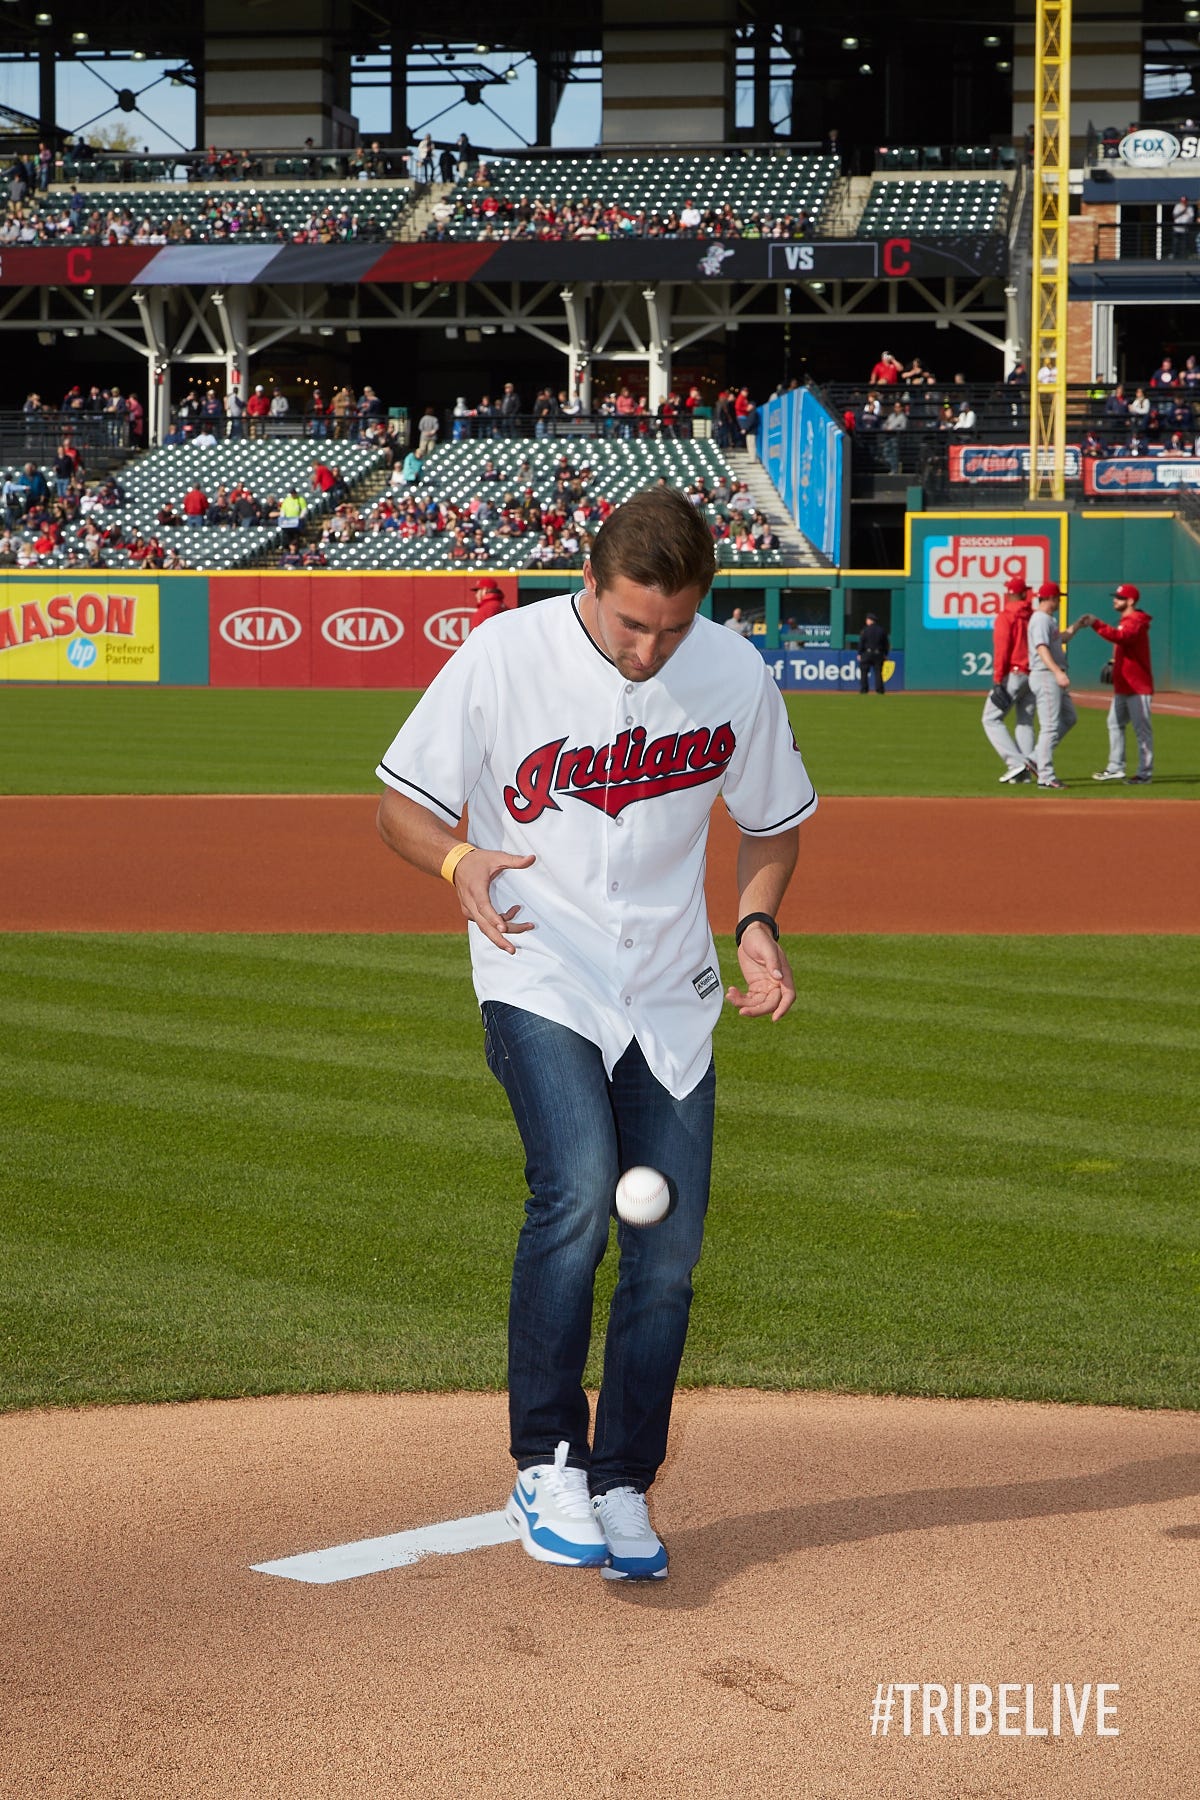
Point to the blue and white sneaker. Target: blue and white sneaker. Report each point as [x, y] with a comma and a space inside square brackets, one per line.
[550, 1510]
[636, 1552]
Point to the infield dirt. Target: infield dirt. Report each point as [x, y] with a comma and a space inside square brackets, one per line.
[1030, 864]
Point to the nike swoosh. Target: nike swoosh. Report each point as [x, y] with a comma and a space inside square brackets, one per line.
[527, 1498]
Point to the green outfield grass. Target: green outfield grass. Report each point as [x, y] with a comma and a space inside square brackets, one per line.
[238, 1165]
[213, 740]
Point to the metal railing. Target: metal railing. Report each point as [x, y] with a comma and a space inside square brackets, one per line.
[37, 435]
[101, 168]
[1148, 241]
[455, 428]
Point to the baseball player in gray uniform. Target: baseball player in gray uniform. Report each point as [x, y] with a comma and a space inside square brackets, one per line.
[590, 735]
[1049, 679]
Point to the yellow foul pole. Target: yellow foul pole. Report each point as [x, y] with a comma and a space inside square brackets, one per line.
[1051, 163]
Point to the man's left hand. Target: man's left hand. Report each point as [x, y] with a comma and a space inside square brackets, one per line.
[770, 987]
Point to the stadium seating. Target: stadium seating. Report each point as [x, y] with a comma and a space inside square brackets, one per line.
[933, 208]
[453, 478]
[268, 468]
[287, 208]
[761, 184]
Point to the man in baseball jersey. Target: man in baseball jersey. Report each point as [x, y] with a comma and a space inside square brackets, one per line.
[589, 736]
[1049, 679]
[1133, 685]
[1010, 678]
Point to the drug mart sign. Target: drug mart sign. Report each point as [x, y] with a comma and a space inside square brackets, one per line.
[964, 575]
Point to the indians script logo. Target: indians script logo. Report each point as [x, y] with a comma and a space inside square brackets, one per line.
[615, 775]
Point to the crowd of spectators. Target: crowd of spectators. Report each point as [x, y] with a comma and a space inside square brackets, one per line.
[153, 221]
[503, 521]
[621, 413]
[476, 208]
[89, 415]
[54, 515]
[205, 416]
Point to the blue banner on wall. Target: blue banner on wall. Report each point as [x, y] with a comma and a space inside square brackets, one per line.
[818, 671]
[803, 452]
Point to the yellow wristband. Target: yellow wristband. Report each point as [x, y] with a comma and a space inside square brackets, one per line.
[453, 859]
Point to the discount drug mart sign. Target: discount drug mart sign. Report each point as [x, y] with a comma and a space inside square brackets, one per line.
[965, 575]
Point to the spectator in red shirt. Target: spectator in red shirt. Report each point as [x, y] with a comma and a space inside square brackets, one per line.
[257, 408]
[195, 505]
[886, 372]
[323, 478]
[1133, 685]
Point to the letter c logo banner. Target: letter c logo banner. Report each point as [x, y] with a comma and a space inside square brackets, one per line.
[896, 256]
[79, 265]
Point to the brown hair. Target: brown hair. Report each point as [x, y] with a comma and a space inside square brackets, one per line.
[656, 539]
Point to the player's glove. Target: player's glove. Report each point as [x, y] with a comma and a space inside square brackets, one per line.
[1106, 673]
[1000, 698]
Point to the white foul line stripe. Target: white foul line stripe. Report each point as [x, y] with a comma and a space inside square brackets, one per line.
[370, 1556]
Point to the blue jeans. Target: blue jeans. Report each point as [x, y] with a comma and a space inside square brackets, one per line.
[580, 1130]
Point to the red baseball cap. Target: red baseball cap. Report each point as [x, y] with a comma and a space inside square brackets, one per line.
[489, 588]
[1016, 584]
[1127, 591]
[1049, 590]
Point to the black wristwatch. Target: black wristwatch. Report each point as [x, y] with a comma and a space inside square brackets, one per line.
[743, 925]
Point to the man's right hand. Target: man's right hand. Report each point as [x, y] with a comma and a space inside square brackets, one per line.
[1063, 679]
[473, 878]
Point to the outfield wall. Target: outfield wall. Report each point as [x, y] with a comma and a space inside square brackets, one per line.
[321, 629]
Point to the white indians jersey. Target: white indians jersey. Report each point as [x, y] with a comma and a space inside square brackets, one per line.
[609, 784]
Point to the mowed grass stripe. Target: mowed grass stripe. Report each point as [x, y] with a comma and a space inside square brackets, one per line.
[89, 740]
[246, 1165]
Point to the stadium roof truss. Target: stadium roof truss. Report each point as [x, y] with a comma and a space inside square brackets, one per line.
[646, 326]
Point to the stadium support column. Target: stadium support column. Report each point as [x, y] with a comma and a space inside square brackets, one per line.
[47, 90]
[579, 351]
[151, 308]
[230, 309]
[658, 312]
[1051, 162]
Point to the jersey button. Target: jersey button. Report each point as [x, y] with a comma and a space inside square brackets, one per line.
[629, 687]
[629, 943]
[629, 718]
[618, 821]
[629, 999]
[614, 887]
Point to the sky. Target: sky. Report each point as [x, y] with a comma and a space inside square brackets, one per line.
[168, 119]
[167, 112]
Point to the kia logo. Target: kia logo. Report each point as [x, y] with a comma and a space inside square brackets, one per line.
[362, 628]
[260, 628]
[448, 629]
[1149, 149]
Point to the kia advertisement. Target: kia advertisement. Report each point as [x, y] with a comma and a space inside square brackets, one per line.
[376, 631]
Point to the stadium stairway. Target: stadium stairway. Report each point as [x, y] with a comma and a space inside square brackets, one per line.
[364, 493]
[845, 205]
[795, 548]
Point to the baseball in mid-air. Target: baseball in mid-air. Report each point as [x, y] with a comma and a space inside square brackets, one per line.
[642, 1196]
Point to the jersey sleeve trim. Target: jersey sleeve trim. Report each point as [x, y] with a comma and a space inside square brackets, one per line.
[398, 781]
[780, 824]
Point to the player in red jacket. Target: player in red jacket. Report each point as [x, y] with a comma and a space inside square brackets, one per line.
[1010, 677]
[489, 601]
[1133, 685]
